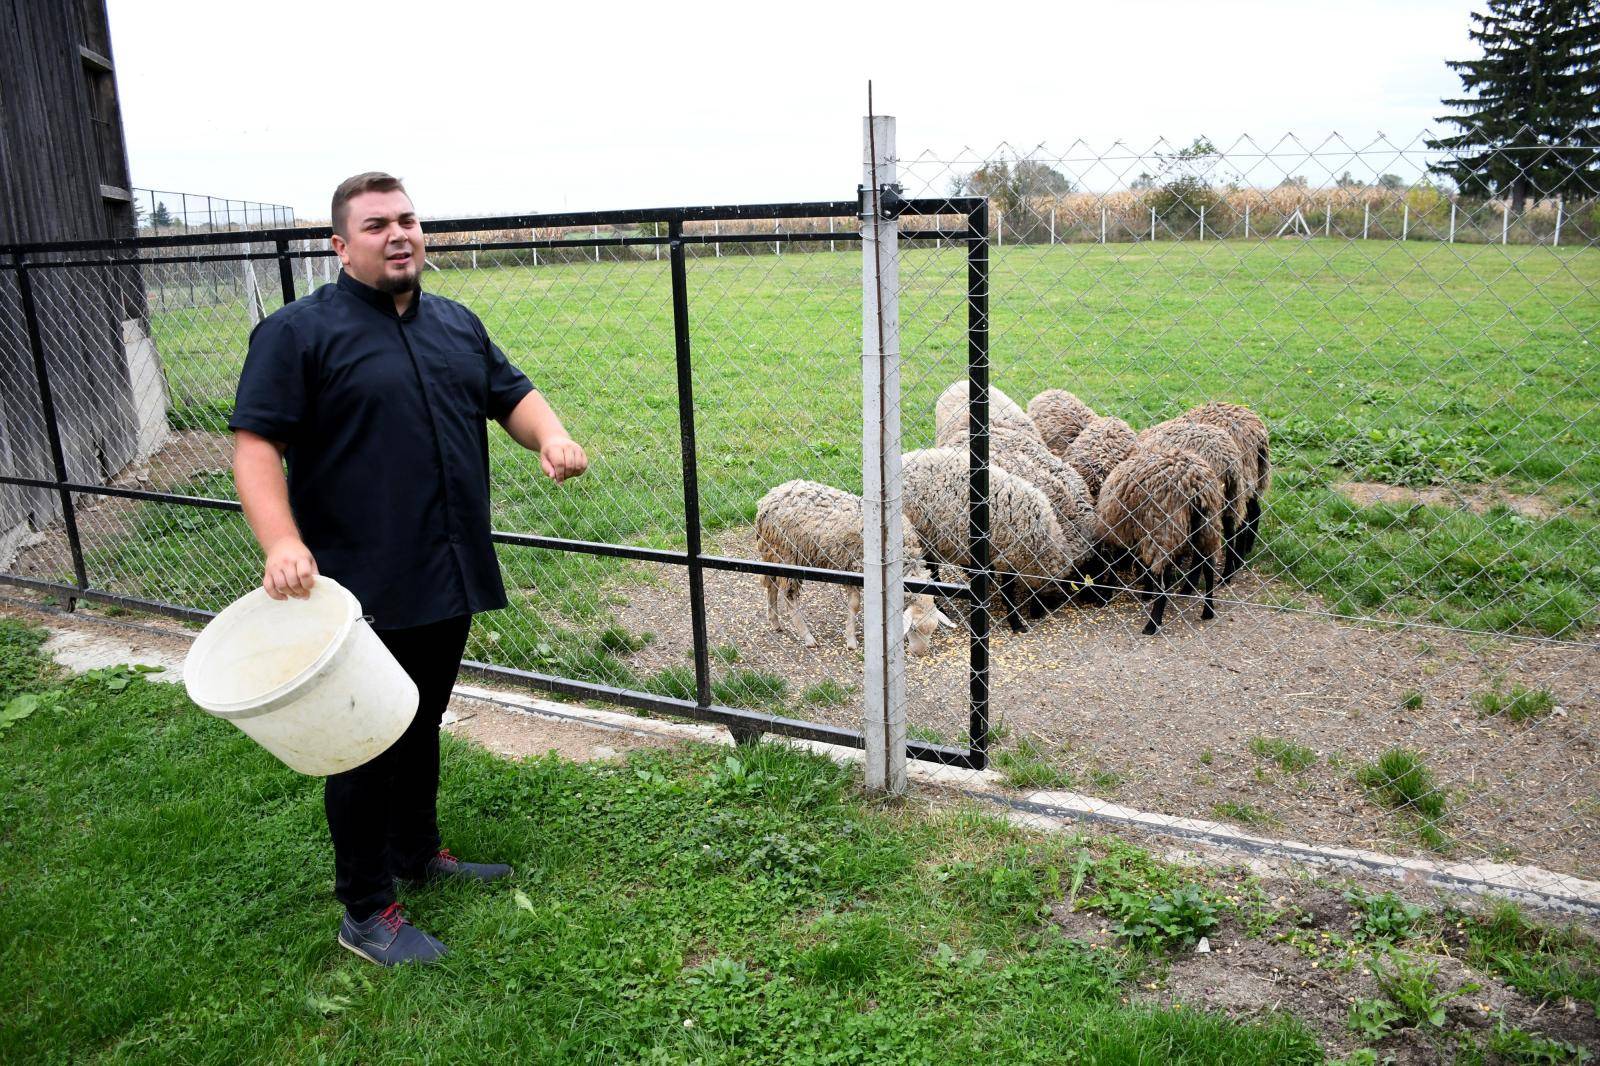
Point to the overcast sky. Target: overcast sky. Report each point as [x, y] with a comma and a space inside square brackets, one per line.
[506, 107]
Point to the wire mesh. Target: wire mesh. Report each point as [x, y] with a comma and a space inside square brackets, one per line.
[1405, 659]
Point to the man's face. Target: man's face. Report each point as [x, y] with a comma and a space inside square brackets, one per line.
[384, 245]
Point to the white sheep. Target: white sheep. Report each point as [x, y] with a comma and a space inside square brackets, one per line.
[804, 523]
[950, 413]
[1029, 549]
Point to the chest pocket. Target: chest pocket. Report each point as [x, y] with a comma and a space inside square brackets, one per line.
[469, 377]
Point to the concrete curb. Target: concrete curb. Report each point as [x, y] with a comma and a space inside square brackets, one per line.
[78, 647]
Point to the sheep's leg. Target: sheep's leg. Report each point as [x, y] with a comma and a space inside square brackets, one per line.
[797, 616]
[1230, 539]
[1007, 586]
[1252, 524]
[1156, 587]
[852, 612]
[771, 585]
[1208, 573]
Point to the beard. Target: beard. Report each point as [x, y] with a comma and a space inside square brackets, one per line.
[391, 283]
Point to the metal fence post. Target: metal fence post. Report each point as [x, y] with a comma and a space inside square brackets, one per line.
[1366, 218]
[978, 483]
[1102, 225]
[691, 470]
[1327, 219]
[285, 271]
[1202, 222]
[1152, 224]
[883, 595]
[1452, 222]
[47, 406]
[999, 228]
[1405, 221]
[1246, 221]
[1505, 220]
[1555, 241]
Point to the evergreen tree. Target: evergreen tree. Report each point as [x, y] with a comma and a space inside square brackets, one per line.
[1532, 123]
[161, 216]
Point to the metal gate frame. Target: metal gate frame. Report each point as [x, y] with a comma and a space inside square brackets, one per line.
[24, 258]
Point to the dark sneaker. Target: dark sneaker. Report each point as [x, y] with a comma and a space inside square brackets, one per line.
[388, 939]
[446, 867]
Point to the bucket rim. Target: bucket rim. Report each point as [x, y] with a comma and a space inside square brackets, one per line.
[202, 648]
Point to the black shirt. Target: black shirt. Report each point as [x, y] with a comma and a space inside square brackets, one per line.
[385, 419]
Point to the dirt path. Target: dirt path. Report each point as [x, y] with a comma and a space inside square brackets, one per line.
[1165, 722]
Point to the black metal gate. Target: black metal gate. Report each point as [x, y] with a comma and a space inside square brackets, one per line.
[28, 365]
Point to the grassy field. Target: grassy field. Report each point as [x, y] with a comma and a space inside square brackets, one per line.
[1421, 365]
[165, 896]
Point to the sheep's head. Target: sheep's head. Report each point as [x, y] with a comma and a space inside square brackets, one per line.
[922, 618]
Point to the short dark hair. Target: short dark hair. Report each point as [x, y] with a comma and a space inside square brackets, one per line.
[350, 188]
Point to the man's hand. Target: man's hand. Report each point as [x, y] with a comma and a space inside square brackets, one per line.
[290, 570]
[562, 458]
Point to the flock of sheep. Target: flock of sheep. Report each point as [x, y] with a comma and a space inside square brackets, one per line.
[1076, 501]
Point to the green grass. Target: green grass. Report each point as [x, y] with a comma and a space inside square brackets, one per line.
[1520, 705]
[750, 689]
[1547, 964]
[1290, 757]
[1243, 813]
[1028, 765]
[165, 897]
[1368, 360]
[1400, 780]
[827, 693]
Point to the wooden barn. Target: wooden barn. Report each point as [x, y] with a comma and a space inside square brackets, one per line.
[64, 177]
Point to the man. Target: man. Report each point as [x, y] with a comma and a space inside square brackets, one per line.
[377, 395]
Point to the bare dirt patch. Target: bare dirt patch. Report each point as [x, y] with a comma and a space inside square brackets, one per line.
[520, 735]
[106, 519]
[1475, 498]
[1165, 723]
[1298, 967]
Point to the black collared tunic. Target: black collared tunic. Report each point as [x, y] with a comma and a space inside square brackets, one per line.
[386, 421]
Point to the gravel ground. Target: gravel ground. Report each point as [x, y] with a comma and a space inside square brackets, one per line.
[1164, 722]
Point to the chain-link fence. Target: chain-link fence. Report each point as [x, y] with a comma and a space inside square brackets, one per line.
[1313, 389]
[1401, 520]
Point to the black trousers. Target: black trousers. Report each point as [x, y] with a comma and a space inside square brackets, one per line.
[383, 814]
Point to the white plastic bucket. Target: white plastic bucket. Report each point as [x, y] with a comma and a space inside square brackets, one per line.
[306, 679]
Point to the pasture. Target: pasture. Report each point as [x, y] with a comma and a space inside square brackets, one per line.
[1434, 423]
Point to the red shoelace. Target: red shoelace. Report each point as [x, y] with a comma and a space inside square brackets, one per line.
[392, 917]
[445, 856]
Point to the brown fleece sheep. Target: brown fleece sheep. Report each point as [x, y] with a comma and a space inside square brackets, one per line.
[1104, 442]
[1216, 447]
[1249, 432]
[1162, 508]
[804, 523]
[1059, 417]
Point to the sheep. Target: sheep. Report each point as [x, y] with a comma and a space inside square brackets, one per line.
[1216, 446]
[804, 523]
[1104, 442]
[950, 416]
[1059, 417]
[1029, 549]
[1249, 432]
[1019, 452]
[1024, 455]
[1162, 508]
